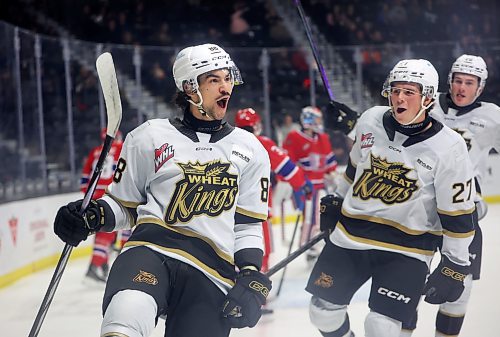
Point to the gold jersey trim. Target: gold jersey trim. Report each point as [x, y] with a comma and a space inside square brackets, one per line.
[390, 223]
[226, 257]
[458, 235]
[128, 204]
[182, 253]
[458, 212]
[383, 244]
[251, 214]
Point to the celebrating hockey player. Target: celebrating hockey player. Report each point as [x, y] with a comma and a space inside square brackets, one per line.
[99, 264]
[479, 125]
[311, 149]
[197, 191]
[406, 170]
[281, 165]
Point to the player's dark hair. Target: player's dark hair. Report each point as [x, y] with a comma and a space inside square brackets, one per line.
[181, 100]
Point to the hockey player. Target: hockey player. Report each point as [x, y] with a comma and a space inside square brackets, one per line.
[196, 188]
[103, 241]
[406, 170]
[281, 165]
[311, 149]
[479, 124]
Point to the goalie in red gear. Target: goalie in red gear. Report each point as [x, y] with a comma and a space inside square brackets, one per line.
[281, 165]
[98, 268]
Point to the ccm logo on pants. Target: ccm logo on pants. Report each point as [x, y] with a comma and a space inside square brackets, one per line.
[393, 295]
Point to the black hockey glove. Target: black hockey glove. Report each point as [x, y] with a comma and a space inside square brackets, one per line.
[446, 282]
[340, 117]
[73, 228]
[242, 307]
[330, 210]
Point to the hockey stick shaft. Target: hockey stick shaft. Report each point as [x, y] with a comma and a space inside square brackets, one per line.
[289, 252]
[314, 50]
[278, 266]
[107, 77]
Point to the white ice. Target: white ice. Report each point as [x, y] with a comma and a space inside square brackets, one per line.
[76, 308]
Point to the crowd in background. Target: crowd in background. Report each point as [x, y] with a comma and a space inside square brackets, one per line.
[251, 24]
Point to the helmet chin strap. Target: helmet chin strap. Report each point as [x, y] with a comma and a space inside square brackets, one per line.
[200, 106]
[423, 108]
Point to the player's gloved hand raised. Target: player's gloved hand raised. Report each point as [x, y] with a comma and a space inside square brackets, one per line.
[242, 307]
[340, 117]
[300, 195]
[73, 228]
[446, 282]
[330, 208]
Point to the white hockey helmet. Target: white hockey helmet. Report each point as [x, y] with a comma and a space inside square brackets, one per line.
[194, 61]
[418, 71]
[472, 65]
[312, 118]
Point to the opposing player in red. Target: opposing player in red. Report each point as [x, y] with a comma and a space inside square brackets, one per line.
[311, 149]
[99, 267]
[281, 165]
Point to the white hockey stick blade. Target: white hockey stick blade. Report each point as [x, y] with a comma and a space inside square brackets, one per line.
[109, 84]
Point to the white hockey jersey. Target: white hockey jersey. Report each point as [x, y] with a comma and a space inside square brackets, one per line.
[478, 125]
[189, 190]
[397, 188]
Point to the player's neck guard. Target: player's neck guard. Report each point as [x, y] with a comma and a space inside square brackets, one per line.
[199, 125]
[461, 110]
[411, 129]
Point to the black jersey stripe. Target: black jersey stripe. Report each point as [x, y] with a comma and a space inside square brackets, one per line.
[195, 249]
[190, 233]
[458, 224]
[384, 244]
[350, 171]
[383, 234]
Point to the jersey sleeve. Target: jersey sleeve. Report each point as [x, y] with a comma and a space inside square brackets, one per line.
[128, 189]
[455, 190]
[350, 171]
[254, 186]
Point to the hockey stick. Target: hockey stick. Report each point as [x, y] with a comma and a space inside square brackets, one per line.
[314, 50]
[289, 252]
[109, 84]
[296, 253]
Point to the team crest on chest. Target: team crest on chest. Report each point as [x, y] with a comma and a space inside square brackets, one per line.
[386, 181]
[206, 188]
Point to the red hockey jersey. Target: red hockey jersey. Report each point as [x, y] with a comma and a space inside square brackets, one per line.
[313, 154]
[108, 168]
[282, 165]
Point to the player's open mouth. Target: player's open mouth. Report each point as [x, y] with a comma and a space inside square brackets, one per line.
[223, 102]
[400, 110]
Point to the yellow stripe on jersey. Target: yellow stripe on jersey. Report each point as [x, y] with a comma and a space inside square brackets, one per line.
[457, 212]
[251, 214]
[389, 223]
[187, 232]
[182, 253]
[128, 204]
[458, 235]
[383, 244]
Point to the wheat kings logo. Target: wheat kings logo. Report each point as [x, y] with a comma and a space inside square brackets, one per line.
[205, 189]
[385, 181]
